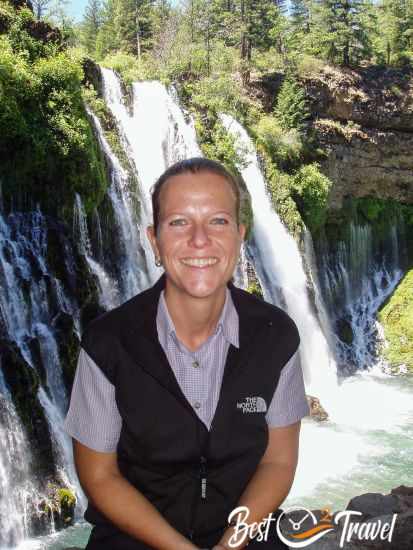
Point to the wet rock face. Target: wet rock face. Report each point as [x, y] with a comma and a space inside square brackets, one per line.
[366, 162]
[40, 30]
[374, 504]
[364, 122]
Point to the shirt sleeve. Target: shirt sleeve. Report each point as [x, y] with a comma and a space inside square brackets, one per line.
[289, 403]
[93, 417]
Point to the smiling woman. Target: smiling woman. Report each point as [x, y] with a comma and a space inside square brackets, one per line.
[191, 391]
[197, 240]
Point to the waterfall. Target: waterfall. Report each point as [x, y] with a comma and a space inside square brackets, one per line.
[356, 279]
[30, 301]
[109, 292]
[16, 484]
[155, 134]
[280, 270]
[133, 272]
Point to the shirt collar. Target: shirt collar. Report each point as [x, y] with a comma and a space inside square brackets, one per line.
[228, 321]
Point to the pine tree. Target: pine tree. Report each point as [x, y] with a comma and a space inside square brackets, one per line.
[344, 30]
[106, 40]
[92, 22]
[291, 108]
[133, 25]
[401, 40]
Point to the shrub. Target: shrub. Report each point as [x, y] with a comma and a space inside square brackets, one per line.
[278, 185]
[283, 146]
[128, 66]
[46, 142]
[310, 189]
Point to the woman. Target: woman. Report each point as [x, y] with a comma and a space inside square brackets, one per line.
[184, 388]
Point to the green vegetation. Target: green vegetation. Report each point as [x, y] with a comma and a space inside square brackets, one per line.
[46, 142]
[255, 288]
[310, 189]
[396, 317]
[192, 37]
[67, 498]
[380, 213]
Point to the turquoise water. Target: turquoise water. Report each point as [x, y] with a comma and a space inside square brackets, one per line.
[366, 447]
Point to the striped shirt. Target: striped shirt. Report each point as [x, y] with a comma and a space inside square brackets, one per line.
[199, 374]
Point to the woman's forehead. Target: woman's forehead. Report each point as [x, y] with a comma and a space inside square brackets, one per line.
[189, 189]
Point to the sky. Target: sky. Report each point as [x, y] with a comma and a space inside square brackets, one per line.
[75, 8]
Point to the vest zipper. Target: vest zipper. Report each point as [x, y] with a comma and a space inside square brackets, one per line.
[203, 472]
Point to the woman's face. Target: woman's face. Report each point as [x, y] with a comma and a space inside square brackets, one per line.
[198, 238]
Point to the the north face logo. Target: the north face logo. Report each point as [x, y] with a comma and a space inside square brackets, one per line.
[253, 405]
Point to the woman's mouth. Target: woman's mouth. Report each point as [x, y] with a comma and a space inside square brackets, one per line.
[199, 262]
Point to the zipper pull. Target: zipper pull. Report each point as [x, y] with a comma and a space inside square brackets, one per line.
[203, 475]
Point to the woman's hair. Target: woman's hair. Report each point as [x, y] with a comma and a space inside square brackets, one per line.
[193, 165]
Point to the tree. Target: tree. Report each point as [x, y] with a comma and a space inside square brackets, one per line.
[400, 35]
[344, 30]
[106, 39]
[91, 24]
[133, 24]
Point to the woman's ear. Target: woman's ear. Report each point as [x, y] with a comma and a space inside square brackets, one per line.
[242, 229]
[150, 232]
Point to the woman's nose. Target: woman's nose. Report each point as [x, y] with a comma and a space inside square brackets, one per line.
[199, 236]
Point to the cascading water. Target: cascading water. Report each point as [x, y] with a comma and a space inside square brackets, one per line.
[109, 292]
[155, 135]
[370, 414]
[280, 270]
[16, 483]
[356, 279]
[30, 300]
[122, 194]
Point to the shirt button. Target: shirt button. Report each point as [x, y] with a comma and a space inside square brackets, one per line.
[197, 405]
[195, 364]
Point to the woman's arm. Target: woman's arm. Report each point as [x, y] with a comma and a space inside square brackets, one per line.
[272, 479]
[121, 503]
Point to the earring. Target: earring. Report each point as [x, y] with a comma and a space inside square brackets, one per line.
[158, 262]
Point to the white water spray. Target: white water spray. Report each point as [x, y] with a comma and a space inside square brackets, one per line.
[280, 270]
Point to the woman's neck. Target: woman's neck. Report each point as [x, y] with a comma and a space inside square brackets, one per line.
[194, 318]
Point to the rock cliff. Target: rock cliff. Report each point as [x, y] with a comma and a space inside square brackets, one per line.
[364, 122]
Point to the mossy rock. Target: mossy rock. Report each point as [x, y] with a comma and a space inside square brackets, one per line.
[67, 504]
[57, 506]
[255, 288]
[396, 316]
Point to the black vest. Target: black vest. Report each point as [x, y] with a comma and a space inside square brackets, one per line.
[193, 476]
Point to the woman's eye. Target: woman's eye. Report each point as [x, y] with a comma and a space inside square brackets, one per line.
[178, 221]
[219, 221]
